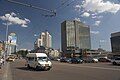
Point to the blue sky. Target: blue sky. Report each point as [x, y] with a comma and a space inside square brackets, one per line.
[102, 16]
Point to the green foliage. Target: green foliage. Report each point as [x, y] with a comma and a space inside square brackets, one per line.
[22, 53]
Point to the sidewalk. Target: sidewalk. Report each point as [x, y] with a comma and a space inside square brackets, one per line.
[5, 72]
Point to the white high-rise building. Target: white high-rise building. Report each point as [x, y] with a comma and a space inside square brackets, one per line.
[43, 38]
[37, 43]
[46, 39]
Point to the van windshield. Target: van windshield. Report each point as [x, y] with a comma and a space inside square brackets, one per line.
[42, 59]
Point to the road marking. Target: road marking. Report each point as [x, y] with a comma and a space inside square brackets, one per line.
[98, 67]
[92, 67]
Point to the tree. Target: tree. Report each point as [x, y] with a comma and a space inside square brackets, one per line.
[22, 53]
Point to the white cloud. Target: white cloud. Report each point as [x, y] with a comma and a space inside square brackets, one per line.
[13, 14]
[23, 25]
[85, 14]
[94, 32]
[97, 17]
[100, 6]
[77, 7]
[13, 19]
[77, 19]
[97, 23]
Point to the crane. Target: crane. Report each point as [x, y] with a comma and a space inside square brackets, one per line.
[53, 12]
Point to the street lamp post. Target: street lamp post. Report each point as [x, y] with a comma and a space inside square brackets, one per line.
[6, 48]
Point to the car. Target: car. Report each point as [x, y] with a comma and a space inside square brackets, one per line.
[10, 59]
[1, 61]
[116, 61]
[38, 61]
[68, 60]
[55, 59]
[90, 60]
[104, 60]
[75, 60]
[63, 59]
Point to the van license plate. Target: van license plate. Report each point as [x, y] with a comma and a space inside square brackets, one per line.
[46, 64]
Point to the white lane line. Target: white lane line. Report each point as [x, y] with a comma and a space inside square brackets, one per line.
[98, 68]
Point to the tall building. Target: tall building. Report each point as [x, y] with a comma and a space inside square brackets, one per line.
[115, 42]
[45, 40]
[12, 42]
[37, 43]
[74, 36]
[11, 49]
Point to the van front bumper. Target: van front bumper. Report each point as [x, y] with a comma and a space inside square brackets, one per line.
[44, 67]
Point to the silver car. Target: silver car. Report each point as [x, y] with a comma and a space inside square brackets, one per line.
[116, 61]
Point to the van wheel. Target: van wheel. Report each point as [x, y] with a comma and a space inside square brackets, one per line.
[37, 68]
[28, 66]
[114, 63]
[48, 69]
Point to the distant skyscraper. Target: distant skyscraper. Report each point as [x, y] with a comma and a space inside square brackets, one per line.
[74, 35]
[37, 43]
[44, 40]
[115, 42]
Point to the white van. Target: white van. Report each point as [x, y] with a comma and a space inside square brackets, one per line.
[38, 61]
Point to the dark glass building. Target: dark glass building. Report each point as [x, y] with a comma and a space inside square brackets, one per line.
[115, 42]
[74, 36]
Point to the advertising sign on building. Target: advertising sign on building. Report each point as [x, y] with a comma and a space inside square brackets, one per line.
[12, 39]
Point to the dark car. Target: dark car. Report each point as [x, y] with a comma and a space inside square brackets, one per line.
[76, 60]
[63, 60]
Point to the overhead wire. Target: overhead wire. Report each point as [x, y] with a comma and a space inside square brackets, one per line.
[29, 5]
[64, 5]
[60, 6]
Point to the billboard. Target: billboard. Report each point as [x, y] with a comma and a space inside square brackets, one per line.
[12, 39]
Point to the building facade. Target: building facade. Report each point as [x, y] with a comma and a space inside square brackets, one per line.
[115, 42]
[43, 43]
[74, 36]
[12, 43]
[46, 39]
[37, 43]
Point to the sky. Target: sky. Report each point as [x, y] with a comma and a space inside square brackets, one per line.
[102, 16]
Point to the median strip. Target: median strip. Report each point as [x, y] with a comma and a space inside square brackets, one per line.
[7, 72]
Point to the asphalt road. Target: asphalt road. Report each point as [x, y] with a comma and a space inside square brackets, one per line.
[65, 71]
